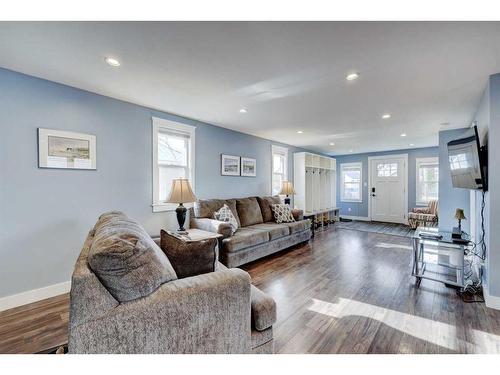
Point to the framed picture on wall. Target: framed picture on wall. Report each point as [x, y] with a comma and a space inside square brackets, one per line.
[66, 150]
[230, 165]
[248, 167]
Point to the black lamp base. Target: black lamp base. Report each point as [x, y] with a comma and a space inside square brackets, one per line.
[287, 200]
[181, 218]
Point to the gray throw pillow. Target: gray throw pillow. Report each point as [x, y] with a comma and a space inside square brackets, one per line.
[126, 260]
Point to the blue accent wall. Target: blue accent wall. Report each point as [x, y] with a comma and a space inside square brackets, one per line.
[45, 214]
[361, 209]
[450, 198]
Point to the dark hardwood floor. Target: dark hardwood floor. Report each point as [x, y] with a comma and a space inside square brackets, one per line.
[345, 292]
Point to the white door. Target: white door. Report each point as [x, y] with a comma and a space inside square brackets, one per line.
[387, 193]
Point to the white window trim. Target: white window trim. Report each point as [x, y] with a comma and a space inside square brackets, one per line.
[275, 149]
[351, 165]
[418, 161]
[159, 123]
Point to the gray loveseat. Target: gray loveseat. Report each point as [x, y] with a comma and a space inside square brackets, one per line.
[258, 234]
[126, 298]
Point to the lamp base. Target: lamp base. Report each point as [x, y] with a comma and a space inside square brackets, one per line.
[181, 217]
[456, 233]
[287, 200]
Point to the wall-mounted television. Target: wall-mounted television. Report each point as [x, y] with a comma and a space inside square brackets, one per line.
[468, 161]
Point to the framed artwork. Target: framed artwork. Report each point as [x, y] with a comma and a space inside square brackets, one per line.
[66, 150]
[230, 165]
[248, 167]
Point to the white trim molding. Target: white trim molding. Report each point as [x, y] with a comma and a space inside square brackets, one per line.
[354, 165]
[34, 295]
[418, 162]
[176, 127]
[283, 151]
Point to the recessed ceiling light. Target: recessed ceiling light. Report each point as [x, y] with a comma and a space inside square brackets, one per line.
[352, 76]
[403, 134]
[300, 132]
[112, 61]
[386, 116]
[332, 144]
[243, 110]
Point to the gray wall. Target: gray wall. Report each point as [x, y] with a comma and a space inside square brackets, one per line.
[45, 214]
[482, 118]
[488, 122]
[361, 209]
[494, 187]
[450, 198]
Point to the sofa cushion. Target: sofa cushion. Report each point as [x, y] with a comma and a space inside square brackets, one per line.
[298, 226]
[125, 258]
[189, 258]
[263, 309]
[248, 211]
[275, 230]
[265, 207]
[205, 208]
[243, 238]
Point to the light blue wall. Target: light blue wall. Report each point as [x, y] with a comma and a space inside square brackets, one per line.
[488, 122]
[361, 209]
[450, 198]
[482, 118]
[45, 214]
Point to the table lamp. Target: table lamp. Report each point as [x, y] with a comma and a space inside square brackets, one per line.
[459, 215]
[287, 189]
[181, 193]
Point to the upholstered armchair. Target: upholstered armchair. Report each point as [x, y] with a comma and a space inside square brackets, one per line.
[424, 216]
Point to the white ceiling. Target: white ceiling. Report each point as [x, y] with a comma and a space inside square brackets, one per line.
[290, 76]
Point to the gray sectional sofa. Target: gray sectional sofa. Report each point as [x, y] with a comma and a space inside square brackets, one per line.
[258, 234]
[126, 298]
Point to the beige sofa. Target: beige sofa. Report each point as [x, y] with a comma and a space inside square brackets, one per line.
[126, 298]
[258, 234]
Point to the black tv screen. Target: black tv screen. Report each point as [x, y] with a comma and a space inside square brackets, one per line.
[466, 164]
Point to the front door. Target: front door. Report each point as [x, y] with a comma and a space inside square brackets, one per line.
[387, 192]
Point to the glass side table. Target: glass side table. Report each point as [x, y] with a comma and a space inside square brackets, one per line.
[438, 259]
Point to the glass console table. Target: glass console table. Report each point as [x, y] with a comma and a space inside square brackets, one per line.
[439, 259]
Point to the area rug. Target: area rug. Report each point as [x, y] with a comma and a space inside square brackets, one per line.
[400, 230]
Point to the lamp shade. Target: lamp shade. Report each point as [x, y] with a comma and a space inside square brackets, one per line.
[459, 214]
[287, 188]
[181, 191]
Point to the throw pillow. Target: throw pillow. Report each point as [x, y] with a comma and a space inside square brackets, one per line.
[189, 258]
[226, 215]
[282, 213]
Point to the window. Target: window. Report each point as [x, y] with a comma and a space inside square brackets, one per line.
[279, 157]
[387, 170]
[351, 182]
[173, 157]
[427, 180]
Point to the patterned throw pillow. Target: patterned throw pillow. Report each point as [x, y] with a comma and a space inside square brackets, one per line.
[225, 214]
[282, 213]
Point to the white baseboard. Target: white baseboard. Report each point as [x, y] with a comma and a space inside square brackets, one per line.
[34, 295]
[493, 302]
[359, 218]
